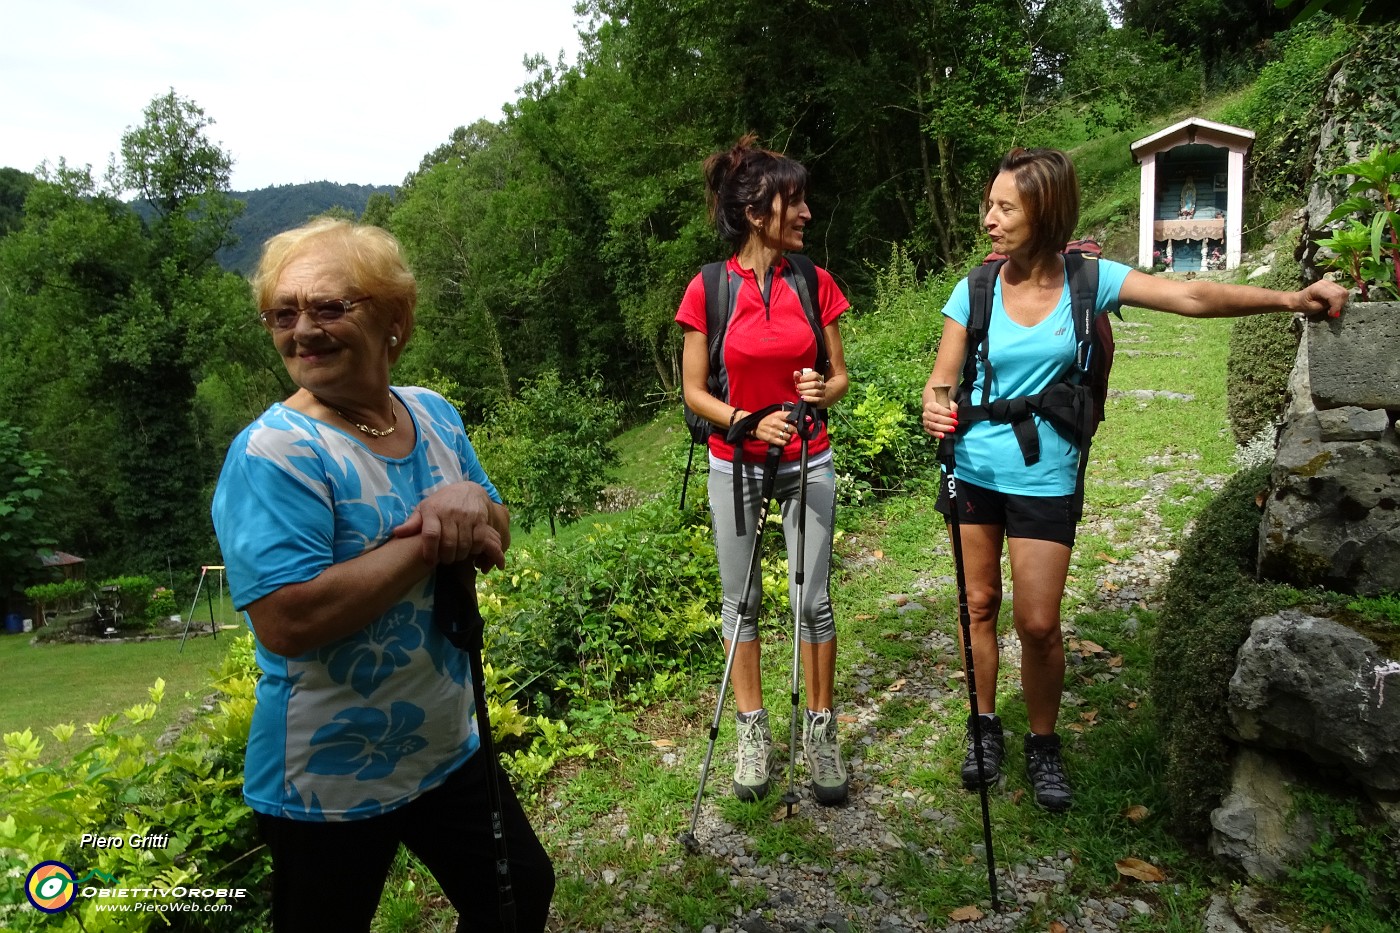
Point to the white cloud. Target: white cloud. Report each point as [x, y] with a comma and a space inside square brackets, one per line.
[352, 91]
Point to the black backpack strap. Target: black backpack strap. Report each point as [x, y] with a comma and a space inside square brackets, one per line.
[981, 284]
[719, 308]
[1083, 272]
[804, 282]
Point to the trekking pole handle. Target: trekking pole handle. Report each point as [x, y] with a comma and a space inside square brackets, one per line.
[943, 395]
[803, 420]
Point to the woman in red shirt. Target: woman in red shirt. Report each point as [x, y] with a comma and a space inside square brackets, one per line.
[757, 201]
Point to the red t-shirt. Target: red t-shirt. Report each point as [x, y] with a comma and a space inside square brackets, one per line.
[764, 347]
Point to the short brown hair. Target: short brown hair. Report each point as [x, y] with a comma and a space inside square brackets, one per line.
[1049, 191]
[373, 256]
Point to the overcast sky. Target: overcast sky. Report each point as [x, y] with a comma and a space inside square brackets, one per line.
[350, 91]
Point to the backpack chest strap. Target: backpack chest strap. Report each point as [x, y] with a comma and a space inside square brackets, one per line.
[1068, 408]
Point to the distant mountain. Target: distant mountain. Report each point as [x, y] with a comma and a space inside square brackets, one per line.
[272, 210]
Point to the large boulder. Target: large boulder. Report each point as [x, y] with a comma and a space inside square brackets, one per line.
[1333, 517]
[1313, 686]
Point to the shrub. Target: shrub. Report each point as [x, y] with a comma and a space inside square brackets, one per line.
[134, 595]
[120, 784]
[1262, 349]
[162, 605]
[615, 615]
[56, 597]
[1209, 602]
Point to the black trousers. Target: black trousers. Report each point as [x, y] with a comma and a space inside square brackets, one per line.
[329, 876]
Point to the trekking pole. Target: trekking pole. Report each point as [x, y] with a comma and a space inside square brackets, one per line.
[804, 423]
[457, 616]
[685, 480]
[770, 473]
[948, 457]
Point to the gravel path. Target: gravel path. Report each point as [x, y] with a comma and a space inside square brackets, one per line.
[810, 898]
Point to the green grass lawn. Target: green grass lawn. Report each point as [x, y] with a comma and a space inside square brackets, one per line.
[49, 684]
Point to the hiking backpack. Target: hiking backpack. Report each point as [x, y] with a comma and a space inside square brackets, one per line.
[1075, 405]
[721, 296]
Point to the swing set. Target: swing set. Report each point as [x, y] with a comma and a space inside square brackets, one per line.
[204, 572]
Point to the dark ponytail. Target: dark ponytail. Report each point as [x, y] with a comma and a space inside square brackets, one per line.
[749, 177]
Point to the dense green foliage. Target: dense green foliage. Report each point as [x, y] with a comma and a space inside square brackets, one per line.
[1350, 878]
[111, 323]
[26, 479]
[551, 448]
[119, 784]
[1288, 99]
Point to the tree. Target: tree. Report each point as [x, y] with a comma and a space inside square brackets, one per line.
[115, 322]
[25, 529]
[14, 187]
[548, 450]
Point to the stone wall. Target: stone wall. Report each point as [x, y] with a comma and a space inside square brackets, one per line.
[1308, 701]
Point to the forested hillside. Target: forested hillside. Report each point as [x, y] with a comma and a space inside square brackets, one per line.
[268, 211]
[554, 244]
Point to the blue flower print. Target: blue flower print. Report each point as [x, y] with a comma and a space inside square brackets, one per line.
[366, 743]
[368, 659]
[294, 802]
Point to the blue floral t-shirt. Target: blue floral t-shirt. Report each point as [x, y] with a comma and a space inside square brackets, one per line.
[367, 723]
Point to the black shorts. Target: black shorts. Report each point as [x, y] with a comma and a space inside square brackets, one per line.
[1043, 518]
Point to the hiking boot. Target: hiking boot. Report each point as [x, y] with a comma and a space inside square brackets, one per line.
[829, 781]
[754, 755]
[993, 750]
[1047, 772]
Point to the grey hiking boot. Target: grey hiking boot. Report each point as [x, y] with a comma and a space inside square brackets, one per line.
[993, 750]
[754, 755]
[1047, 772]
[829, 780]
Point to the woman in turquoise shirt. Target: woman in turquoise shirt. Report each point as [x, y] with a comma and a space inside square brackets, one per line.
[1032, 208]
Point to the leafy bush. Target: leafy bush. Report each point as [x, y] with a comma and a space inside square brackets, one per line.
[122, 784]
[162, 605]
[1209, 603]
[876, 438]
[550, 448]
[55, 597]
[1262, 348]
[1367, 249]
[618, 614]
[134, 594]
[1350, 877]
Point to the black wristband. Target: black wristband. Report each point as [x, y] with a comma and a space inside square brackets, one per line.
[732, 415]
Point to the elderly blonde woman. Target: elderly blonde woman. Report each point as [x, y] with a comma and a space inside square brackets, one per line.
[333, 511]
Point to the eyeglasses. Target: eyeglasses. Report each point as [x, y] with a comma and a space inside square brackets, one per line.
[325, 311]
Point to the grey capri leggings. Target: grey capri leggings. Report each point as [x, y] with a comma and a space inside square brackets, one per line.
[818, 622]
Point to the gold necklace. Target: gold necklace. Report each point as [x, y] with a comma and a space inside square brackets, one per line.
[372, 432]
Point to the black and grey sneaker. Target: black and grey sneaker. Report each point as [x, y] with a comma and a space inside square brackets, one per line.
[1047, 772]
[993, 750]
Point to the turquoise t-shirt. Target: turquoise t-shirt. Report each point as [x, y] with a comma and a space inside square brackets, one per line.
[366, 723]
[1025, 361]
